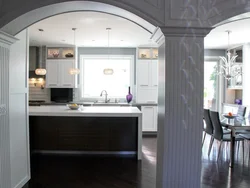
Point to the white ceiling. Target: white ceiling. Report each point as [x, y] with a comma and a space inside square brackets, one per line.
[91, 31]
[218, 38]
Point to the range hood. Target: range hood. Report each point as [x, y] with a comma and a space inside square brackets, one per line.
[36, 60]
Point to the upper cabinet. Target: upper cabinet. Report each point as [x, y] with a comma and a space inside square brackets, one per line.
[58, 75]
[147, 53]
[58, 64]
[147, 75]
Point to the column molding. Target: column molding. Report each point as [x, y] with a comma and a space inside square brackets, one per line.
[180, 103]
[5, 42]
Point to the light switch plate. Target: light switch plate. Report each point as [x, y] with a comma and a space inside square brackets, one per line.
[2, 109]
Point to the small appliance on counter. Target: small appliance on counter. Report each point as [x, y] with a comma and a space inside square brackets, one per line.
[61, 95]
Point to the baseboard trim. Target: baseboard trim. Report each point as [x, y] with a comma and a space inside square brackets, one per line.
[149, 134]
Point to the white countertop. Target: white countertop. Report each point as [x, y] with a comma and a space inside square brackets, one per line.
[88, 111]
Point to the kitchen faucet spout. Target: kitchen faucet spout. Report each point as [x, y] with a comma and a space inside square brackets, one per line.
[106, 95]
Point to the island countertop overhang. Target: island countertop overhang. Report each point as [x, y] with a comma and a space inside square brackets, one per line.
[92, 111]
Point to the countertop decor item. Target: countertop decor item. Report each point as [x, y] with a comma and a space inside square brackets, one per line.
[238, 101]
[230, 115]
[129, 96]
[69, 55]
[73, 106]
[55, 54]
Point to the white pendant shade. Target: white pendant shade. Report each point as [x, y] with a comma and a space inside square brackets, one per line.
[74, 71]
[40, 72]
[108, 71]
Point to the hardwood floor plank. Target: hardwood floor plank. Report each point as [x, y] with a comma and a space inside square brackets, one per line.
[126, 172]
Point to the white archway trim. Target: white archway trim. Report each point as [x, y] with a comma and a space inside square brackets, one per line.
[36, 15]
[230, 11]
[5, 42]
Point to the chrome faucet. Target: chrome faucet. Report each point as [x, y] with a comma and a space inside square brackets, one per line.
[106, 96]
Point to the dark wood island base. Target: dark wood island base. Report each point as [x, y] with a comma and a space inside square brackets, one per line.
[84, 135]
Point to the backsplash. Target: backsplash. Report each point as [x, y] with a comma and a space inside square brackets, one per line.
[36, 93]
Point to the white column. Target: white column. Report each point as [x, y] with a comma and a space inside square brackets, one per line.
[180, 101]
[246, 75]
[5, 42]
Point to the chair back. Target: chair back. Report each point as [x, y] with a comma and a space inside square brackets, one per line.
[241, 111]
[209, 127]
[218, 132]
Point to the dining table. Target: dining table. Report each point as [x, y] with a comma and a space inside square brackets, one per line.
[236, 124]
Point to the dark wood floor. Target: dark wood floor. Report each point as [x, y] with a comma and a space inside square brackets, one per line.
[107, 172]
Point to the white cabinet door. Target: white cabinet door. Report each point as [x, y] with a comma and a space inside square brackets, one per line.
[66, 79]
[149, 115]
[143, 73]
[147, 95]
[52, 75]
[154, 73]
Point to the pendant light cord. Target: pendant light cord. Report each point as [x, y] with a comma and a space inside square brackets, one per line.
[41, 49]
[108, 29]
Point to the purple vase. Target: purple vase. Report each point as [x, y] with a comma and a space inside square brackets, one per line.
[129, 96]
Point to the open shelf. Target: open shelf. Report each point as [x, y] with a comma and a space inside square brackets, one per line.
[60, 53]
[147, 53]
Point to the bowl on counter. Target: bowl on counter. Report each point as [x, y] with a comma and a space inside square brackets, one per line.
[73, 106]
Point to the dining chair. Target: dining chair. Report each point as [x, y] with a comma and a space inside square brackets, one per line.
[218, 133]
[241, 111]
[208, 129]
[246, 136]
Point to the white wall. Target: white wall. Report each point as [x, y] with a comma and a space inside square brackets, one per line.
[18, 112]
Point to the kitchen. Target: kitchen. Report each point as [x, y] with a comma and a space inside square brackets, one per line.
[111, 79]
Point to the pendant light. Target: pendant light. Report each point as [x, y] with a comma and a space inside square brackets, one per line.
[74, 71]
[40, 71]
[108, 71]
[228, 68]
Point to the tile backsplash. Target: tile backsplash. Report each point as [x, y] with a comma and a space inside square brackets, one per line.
[37, 93]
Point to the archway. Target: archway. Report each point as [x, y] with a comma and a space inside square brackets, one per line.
[24, 15]
[20, 92]
[23, 21]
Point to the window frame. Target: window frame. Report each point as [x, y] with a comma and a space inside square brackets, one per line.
[119, 57]
[220, 93]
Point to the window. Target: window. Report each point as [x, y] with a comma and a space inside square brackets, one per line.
[210, 85]
[94, 80]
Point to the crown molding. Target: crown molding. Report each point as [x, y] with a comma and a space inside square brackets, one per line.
[6, 39]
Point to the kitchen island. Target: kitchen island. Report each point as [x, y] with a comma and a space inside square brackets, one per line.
[89, 130]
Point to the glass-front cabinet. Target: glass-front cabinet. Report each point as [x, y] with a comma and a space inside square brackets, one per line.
[147, 53]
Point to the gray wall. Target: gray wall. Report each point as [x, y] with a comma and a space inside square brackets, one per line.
[107, 51]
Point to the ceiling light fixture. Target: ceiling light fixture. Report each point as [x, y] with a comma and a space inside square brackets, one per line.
[228, 68]
[74, 71]
[40, 71]
[108, 71]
